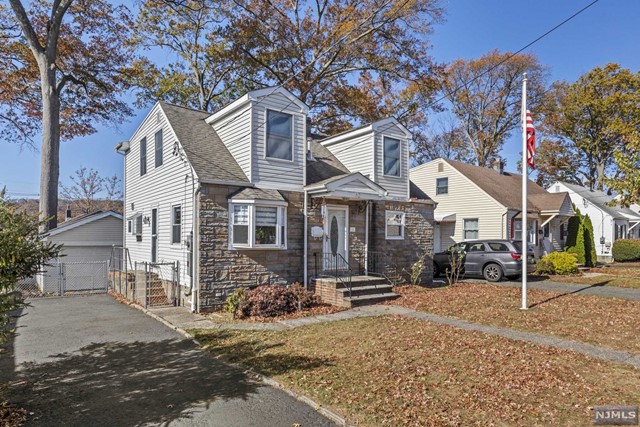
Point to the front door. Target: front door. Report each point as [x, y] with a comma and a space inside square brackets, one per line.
[335, 237]
[154, 235]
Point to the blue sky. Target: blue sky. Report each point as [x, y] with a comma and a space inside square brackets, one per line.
[609, 31]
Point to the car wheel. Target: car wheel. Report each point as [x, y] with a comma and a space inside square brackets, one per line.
[492, 272]
[436, 270]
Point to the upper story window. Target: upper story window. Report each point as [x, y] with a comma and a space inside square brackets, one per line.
[257, 225]
[442, 186]
[391, 156]
[158, 147]
[143, 156]
[279, 135]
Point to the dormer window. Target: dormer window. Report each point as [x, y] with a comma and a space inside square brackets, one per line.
[391, 156]
[279, 136]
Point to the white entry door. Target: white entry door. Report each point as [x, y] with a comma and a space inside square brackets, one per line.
[335, 236]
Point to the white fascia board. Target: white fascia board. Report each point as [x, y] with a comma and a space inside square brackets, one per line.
[383, 122]
[228, 109]
[225, 182]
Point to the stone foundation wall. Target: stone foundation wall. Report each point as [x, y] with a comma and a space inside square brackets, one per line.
[418, 239]
[223, 270]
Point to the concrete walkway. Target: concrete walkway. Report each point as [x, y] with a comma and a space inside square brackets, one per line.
[183, 320]
[598, 290]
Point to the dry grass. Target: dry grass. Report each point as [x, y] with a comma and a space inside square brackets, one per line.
[399, 371]
[605, 322]
[320, 309]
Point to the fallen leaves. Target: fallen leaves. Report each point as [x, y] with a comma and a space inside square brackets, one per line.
[606, 322]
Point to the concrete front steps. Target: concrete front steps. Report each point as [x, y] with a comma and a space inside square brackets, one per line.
[365, 290]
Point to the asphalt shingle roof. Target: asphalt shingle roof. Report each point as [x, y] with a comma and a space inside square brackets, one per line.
[325, 166]
[257, 194]
[206, 152]
[506, 188]
[602, 200]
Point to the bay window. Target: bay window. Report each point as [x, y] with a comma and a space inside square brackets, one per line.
[257, 225]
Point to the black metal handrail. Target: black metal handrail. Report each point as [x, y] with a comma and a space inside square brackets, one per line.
[372, 263]
[334, 265]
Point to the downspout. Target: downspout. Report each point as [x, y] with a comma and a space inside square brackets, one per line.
[366, 238]
[504, 224]
[305, 241]
[124, 203]
[195, 227]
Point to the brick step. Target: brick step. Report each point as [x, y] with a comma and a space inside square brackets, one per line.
[356, 281]
[366, 290]
[357, 301]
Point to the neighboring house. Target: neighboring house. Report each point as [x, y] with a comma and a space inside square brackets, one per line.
[247, 196]
[87, 239]
[483, 203]
[610, 223]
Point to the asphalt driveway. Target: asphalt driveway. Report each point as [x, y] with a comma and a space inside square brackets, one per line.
[91, 361]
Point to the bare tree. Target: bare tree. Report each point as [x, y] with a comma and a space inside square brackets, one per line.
[86, 185]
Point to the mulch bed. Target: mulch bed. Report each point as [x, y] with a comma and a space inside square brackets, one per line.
[317, 310]
[11, 415]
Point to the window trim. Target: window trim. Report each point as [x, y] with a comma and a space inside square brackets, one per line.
[464, 228]
[173, 218]
[438, 193]
[155, 149]
[399, 157]
[143, 158]
[281, 224]
[402, 225]
[137, 230]
[266, 136]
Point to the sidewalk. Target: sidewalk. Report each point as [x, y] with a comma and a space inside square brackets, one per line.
[181, 319]
[575, 288]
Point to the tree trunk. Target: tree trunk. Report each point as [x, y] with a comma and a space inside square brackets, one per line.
[50, 151]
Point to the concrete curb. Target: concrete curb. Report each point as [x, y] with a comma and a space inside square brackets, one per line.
[327, 413]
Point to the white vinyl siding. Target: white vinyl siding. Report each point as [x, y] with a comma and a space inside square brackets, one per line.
[277, 173]
[160, 189]
[469, 202]
[396, 186]
[356, 154]
[105, 231]
[235, 132]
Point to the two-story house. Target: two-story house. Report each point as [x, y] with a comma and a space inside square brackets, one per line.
[247, 196]
[483, 203]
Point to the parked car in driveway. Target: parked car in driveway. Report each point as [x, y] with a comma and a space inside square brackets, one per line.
[490, 259]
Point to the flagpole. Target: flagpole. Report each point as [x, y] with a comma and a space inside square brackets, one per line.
[525, 177]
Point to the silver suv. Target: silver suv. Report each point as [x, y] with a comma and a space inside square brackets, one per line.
[491, 259]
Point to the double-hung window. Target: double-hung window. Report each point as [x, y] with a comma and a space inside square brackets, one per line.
[137, 227]
[391, 159]
[470, 230]
[143, 156]
[442, 186]
[176, 224]
[394, 229]
[257, 225]
[158, 148]
[279, 135]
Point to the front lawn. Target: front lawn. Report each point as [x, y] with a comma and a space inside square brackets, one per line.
[606, 322]
[620, 277]
[398, 371]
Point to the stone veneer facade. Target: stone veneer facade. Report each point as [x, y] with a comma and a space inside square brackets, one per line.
[223, 270]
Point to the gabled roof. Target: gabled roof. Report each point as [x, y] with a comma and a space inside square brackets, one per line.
[351, 185]
[257, 194]
[206, 152]
[506, 188]
[415, 193]
[82, 220]
[601, 200]
[352, 133]
[255, 95]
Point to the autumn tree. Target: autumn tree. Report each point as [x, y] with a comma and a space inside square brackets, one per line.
[64, 65]
[85, 187]
[348, 60]
[590, 121]
[444, 139]
[485, 96]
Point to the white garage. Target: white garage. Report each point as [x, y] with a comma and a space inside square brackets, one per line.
[87, 242]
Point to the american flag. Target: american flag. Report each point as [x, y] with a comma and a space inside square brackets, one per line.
[531, 141]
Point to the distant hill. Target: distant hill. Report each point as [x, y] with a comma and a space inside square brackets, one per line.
[31, 206]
